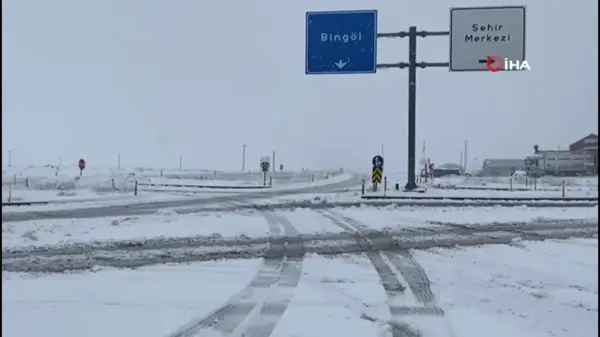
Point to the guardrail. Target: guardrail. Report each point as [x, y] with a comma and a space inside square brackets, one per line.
[456, 198]
[231, 187]
[137, 185]
[24, 203]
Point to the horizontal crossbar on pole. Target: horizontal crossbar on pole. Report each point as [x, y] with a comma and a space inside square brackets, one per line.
[403, 65]
[400, 65]
[425, 33]
[392, 35]
[422, 33]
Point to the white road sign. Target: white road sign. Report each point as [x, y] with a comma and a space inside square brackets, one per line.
[478, 33]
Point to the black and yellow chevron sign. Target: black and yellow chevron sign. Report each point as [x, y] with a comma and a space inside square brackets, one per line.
[377, 175]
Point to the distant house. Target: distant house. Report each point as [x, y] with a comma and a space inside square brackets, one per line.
[449, 166]
[588, 145]
[447, 170]
[501, 167]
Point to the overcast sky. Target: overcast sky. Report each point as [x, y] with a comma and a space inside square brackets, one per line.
[156, 79]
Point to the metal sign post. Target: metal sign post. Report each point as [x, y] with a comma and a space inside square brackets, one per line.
[341, 43]
[412, 66]
[467, 48]
[265, 164]
[377, 173]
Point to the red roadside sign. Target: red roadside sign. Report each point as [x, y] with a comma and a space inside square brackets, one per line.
[81, 164]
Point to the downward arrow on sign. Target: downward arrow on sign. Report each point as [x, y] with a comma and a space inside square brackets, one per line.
[341, 64]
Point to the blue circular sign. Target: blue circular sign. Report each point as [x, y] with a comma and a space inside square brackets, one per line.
[378, 162]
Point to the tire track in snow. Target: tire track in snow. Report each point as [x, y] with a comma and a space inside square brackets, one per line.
[279, 299]
[77, 248]
[407, 265]
[256, 305]
[411, 271]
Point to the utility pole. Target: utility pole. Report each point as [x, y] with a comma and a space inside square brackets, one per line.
[59, 161]
[412, 65]
[466, 155]
[462, 166]
[180, 163]
[9, 157]
[244, 158]
[273, 162]
[119, 161]
[382, 151]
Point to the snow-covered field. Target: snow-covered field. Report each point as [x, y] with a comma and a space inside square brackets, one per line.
[70, 194]
[66, 201]
[517, 182]
[528, 289]
[50, 183]
[169, 224]
[574, 183]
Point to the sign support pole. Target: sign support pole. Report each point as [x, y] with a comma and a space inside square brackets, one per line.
[412, 65]
[412, 106]
[357, 31]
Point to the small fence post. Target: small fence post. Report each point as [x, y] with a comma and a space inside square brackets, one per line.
[384, 186]
[563, 188]
[312, 178]
[362, 187]
[27, 182]
[535, 184]
[510, 182]
[135, 188]
[270, 181]
[15, 179]
[9, 193]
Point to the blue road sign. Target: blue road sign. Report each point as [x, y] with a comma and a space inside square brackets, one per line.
[342, 42]
[378, 162]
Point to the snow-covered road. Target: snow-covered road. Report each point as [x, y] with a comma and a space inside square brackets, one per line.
[150, 207]
[347, 272]
[525, 289]
[252, 223]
